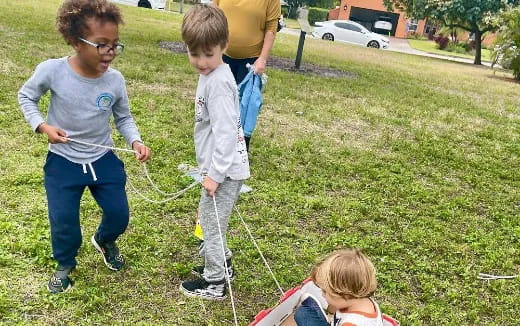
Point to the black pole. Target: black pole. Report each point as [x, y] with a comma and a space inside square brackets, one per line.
[300, 50]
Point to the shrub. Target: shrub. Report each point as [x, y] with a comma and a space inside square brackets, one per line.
[442, 41]
[285, 11]
[317, 15]
[456, 48]
[470, 45]
[326, 4]
[507, 47]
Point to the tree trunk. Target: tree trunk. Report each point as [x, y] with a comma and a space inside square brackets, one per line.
[478, 47]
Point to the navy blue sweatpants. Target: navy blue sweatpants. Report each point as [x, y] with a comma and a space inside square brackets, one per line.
[238, 66]
[65, 182]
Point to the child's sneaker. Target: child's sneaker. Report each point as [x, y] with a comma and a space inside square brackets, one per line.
[199, 270]
[113, 259]
[204, 289]
[60, 281]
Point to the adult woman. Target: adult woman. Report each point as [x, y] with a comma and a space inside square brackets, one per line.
[252, 30]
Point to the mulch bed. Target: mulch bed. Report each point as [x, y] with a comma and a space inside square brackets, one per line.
[278, 63]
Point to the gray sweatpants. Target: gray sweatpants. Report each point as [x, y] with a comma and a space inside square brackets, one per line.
[225, 197]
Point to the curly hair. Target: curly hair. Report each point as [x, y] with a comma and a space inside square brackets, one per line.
[74, 14]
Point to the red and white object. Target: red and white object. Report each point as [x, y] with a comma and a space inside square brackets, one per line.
[290, 301]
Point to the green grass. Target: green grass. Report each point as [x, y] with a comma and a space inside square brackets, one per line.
[172, 5]
[431, 47]
[416, 160]
[292, 23]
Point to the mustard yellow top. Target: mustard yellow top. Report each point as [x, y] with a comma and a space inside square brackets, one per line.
[248, 22]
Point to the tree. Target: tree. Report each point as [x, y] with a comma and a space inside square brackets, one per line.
[507, 50]
[293, 6]
[474, 16]
[325, 4]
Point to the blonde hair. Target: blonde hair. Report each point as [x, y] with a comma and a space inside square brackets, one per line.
[203, 27]
[346, 273]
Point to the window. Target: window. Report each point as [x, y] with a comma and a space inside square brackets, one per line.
[411, 25]
[350, 27]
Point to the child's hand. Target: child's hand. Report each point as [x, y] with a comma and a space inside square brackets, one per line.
[55, 135]
[210, 185]
[144, 152]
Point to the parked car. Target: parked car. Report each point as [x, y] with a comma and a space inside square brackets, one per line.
[152, 4]
[350, 32]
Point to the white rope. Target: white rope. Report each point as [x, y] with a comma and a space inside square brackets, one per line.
[176, 195]
[103, 146]
[172, 195]
[488, 277]
[225, 262]
[260, 252]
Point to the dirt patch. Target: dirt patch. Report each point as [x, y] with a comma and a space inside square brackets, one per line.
[278, 63]
[176, 47]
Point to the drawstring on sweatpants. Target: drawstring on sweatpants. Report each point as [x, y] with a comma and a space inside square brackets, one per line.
[94, 177]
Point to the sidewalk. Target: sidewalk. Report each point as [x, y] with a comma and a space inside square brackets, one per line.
[401, 45]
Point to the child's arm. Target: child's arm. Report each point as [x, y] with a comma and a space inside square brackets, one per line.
[29, 97]
[125, 124]
[223, 116]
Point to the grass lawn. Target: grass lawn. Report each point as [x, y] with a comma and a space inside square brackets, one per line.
[431, 47]
[416, 160]
[175, 5]
[292, 23]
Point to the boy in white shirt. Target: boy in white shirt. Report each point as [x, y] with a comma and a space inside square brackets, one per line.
[219, 144]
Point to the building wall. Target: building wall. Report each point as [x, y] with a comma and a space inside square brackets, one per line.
[375, 5]
[334, 14]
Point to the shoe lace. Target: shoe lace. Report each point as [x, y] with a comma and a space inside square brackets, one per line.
[56, 281]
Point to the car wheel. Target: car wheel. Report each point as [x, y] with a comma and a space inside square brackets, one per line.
[373, 44]
[328, 37]
[144, 4]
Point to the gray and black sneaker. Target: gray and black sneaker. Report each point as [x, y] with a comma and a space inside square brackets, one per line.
[60, 281]
[113, 259]
[199, 270]
[204, 289]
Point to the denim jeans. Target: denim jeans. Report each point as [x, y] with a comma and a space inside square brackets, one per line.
[310, 314]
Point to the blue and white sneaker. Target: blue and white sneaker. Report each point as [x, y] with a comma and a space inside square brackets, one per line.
[113, 259]
[204, 289]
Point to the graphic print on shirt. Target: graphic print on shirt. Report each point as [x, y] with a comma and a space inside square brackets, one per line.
[200, 104]
[104, 101]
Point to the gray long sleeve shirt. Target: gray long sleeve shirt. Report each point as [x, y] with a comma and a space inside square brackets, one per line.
[219, 139]
[80, 106]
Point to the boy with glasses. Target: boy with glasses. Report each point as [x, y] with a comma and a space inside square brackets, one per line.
[85, 93]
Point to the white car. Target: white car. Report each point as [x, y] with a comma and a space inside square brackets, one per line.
[152, 4]
[350, 32]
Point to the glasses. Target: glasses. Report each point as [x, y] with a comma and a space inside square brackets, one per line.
[104, 49]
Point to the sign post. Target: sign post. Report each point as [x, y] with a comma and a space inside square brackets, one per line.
[305, 28]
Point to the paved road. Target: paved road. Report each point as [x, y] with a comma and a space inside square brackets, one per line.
[400, 45]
